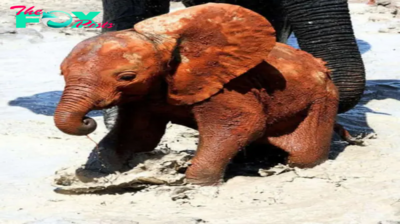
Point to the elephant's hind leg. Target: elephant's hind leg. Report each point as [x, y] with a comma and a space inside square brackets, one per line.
[226, 124]
[309, 144]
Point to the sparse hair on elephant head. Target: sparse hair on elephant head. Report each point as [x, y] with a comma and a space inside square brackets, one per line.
[195, 51]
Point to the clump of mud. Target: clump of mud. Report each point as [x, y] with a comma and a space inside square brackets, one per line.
[161, 167]
[153, 168]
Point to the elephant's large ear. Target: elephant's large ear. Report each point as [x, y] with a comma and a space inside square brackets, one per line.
[213, 43]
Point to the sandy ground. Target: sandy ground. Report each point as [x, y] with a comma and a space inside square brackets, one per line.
[360, 184]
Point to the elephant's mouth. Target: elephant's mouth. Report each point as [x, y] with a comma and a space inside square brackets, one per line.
[100, 105]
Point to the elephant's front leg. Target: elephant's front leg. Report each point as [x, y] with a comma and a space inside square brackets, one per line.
[136, 130]
[227, 123]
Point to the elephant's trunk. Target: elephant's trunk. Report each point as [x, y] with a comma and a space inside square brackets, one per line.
[70, 113]
[324, 29]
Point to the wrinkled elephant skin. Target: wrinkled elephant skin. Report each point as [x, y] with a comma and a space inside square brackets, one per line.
[216, 68]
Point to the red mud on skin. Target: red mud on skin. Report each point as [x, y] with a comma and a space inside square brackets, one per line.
[227, 77]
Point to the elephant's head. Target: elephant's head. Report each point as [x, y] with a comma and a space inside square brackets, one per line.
[195, 51]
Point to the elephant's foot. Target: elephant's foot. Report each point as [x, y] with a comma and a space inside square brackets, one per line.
[106, 159]
[136, 131]
[204, 176]
[346, 136]
[103, 161]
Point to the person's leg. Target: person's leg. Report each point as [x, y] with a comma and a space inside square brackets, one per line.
[123, 14]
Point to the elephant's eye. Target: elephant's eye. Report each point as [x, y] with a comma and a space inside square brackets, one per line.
[126, 77]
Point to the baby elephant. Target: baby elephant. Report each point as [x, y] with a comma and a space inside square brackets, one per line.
[216, 68]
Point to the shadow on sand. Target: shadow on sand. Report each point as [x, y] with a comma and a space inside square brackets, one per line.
[43, 103]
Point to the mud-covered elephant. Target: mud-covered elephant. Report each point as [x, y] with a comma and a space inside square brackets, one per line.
[216, 68]
[323, 28]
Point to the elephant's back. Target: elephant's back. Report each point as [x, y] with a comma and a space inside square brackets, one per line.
[296, 62]
[300, 69]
